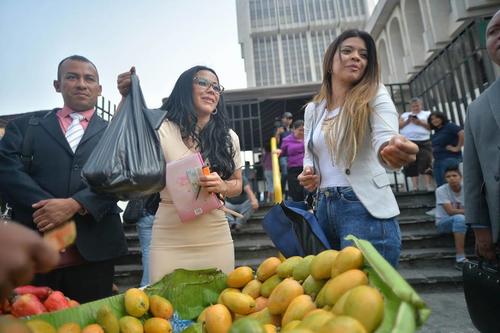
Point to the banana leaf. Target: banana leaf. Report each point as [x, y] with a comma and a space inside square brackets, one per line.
[188, 291]
[405, 311]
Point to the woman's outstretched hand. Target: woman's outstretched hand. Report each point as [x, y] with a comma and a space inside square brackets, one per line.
[398, 152]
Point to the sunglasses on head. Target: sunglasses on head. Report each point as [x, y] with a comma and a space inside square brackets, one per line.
[204, 83]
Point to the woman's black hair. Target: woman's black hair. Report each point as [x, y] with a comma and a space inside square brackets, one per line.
[214, 140]
[438, 114]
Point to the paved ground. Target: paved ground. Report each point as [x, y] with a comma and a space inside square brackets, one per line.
[449, 313]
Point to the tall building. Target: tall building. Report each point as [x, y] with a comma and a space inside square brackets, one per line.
[283, 41]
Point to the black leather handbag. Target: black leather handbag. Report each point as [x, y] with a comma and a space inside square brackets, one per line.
[482, 294]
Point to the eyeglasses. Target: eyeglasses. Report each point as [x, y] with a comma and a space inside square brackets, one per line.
[204, 83]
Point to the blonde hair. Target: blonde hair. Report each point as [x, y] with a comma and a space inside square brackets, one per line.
[347, 131]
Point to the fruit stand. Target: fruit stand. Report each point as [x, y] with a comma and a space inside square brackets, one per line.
[354, 288]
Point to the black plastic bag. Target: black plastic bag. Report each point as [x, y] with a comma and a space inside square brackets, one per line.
[128, 162]
[482, 295]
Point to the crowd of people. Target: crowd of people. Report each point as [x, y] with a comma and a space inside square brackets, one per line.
[350, 136]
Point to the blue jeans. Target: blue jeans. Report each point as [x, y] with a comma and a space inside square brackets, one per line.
[244, 209]
[144, 230]
[340, 213]
[454, 224]
[440, 166]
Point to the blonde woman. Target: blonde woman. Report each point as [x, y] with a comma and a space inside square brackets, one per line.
[351, 138]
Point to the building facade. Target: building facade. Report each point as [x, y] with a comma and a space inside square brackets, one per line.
[437, 47]
[283, 41]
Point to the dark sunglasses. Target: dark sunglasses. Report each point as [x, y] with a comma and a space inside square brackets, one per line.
[204, 83]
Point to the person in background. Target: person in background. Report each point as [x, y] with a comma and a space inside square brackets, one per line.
[196, 122]
[292, 147]
[24, 253]
[414, 126]
[49, 191]
[141, 212]
[450, 211]
[481, 158]
[351, 138]
[267, 163]
[281, 133]
[447, 143]
[245, 204]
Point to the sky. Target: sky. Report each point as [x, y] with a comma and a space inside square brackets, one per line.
[161, 38]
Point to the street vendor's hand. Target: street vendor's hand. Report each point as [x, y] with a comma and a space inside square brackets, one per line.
[484, 244]
[51, 213]
[124, 81]
[213, 183]
[399, 151]
[23, 254]
[308, 179]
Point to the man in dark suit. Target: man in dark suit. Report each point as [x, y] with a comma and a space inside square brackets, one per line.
[47, 191]
[482, 158]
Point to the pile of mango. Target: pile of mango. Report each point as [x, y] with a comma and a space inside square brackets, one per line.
[144, 314]
[326, 293]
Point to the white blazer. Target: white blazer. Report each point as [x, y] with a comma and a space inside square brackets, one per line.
[367, 175]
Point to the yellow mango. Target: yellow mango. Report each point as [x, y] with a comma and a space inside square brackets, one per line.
[160, 307]
[338, 308]
[283, 295]
[260, 303]
[366, 304]
[342, 324]
[297, 309]
[321, 264]
[337, 286]
[270, 328]
[312, 286]
[315, 319]
[348, 258]
[285, 269]
[219, 299]
[217, 319]
[40, 326]
[69, 328]
[107, 319]
[239, 277]
[252, 288]
[265, 317]
[267, 268]
[202, 316]
[238, 303]
[291, 325]
[268, 286]
[129, 324]
[157, 325]
[302, 270]
[95, 328]
[136, 302]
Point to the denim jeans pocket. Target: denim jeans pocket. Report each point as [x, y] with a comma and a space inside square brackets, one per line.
[347, 194]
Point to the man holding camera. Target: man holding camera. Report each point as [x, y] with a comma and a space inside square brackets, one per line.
[414, 126]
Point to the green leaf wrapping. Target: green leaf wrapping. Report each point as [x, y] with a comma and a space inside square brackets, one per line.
[404, 309]
[188, 291]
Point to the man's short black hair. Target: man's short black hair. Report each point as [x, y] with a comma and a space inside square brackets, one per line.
[77, 58]
[453, 168]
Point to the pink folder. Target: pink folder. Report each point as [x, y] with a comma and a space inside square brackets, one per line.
[182, 184]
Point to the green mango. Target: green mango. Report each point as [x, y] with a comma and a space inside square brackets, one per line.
[303, 269]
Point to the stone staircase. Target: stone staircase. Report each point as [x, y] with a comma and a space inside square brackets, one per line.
[427, 258]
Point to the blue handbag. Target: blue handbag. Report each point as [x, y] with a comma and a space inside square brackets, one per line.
[294, 230]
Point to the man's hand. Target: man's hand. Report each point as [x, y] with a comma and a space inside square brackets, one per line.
[308, 179]
[124, 81]
[484, 244]
[23, 254]
[51, 213]
[255, 204]
[398, 152]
